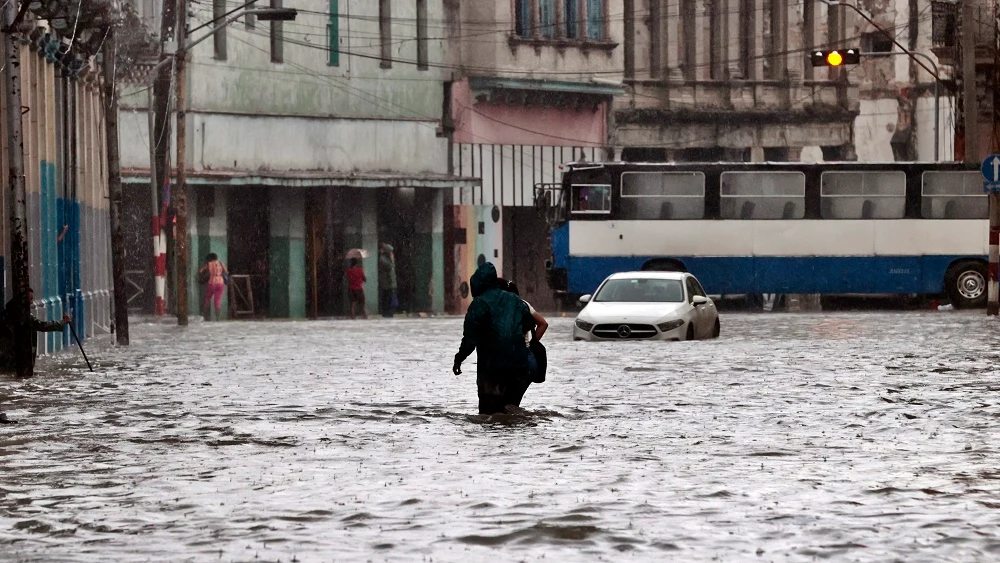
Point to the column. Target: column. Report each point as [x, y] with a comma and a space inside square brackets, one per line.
[287, 253]
[671, 36]
[209, 233]
[701, 41]
[428, 248]
[731, 23]
[793, 43]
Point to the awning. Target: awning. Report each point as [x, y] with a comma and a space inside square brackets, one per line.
[319, 179]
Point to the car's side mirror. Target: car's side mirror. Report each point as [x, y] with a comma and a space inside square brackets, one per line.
[699, 300]
[585, 299]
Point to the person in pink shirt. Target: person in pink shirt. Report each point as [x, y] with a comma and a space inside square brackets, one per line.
[214, 273]
[356, 287]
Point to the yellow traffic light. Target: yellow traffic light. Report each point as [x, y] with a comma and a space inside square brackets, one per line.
[834, 58]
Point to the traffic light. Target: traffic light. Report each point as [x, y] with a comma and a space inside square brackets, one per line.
[836, 57]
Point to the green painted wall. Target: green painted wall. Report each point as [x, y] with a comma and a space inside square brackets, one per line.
[206, 235]
[428, 260]
[287, 254]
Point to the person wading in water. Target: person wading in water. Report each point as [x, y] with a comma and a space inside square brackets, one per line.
[495, 325]
[19, 338]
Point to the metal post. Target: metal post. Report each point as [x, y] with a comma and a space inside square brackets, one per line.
[159, 141]
[180, 190]
[115, 185]
[24, 358]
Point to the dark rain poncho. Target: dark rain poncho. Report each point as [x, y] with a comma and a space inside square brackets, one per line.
[495, 325]
[18, 331]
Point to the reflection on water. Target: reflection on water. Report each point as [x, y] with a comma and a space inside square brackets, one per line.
[850, 436]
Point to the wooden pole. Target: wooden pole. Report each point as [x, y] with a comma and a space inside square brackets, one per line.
[181, 188]
[115, 187]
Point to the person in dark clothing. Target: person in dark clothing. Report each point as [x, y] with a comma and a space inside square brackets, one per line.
[12, 335]
[495, 325]
[387, 280]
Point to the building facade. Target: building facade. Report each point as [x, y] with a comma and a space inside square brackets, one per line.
[907, 109]
[306, 139]
[65, 174]
[731, 80]
[531, 89]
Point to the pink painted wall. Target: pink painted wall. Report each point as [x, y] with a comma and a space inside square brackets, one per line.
[482, 122]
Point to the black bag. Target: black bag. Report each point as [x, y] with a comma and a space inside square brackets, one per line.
[541, 357]
[203, 276]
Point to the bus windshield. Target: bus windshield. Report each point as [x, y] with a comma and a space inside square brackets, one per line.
[641, 290]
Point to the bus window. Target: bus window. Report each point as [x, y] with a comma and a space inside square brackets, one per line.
[863, 195]
[663, 195]
[763, 195]
[590, 198]
[953, 195]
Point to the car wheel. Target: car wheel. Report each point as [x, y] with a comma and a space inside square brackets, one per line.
[965, 284]
[716, 329]
[690, 332]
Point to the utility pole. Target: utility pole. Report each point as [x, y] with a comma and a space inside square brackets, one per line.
[160, 141]
[971, 118]
[115, 184]
[24, 358]
[180, 191]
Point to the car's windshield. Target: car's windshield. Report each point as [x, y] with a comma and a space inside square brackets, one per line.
[641, 290]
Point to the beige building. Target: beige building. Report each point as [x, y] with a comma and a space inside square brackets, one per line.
[731, 80]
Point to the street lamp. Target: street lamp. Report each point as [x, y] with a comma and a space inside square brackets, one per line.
[913, 55]
[180, 189]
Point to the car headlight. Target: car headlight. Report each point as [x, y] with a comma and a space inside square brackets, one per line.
[669, 325]
[584, 325]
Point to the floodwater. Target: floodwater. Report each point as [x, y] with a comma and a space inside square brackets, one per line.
[795, 437]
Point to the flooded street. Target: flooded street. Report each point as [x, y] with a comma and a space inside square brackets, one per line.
[849, 436]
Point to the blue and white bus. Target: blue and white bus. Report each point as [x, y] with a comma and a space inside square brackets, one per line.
[773, 228]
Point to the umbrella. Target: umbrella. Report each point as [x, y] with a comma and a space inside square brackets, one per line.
[356, 253]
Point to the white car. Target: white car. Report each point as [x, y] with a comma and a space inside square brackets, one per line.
[647, 305]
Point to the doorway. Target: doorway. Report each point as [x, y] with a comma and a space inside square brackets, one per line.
[248, 239]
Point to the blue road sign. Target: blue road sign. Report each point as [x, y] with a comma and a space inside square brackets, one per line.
[991, 187]
[991, 168]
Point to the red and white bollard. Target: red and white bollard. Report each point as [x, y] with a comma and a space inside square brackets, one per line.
[160, 266]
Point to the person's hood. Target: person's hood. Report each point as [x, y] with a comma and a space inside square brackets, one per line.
[387, 249]
[484, 279]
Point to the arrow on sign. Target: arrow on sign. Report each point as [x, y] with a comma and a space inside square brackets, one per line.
[996, 169]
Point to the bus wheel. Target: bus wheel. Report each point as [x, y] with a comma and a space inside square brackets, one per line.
[965, 284]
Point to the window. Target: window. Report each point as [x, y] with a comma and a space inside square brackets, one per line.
[333, 34]
[591, 198]
[547, 23]
[717, 58]
[385, 32]
[773, 30]
[422, 58]
[522, 18]
[688, 45]
[219, 37]
[763, 195]
[663, 195]
[863, 195]
[876, 42]
[571, 18]
[953, 195]
[694, 288]
[595, 19]
[641, 290]
[277, 37]
[746, 56]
